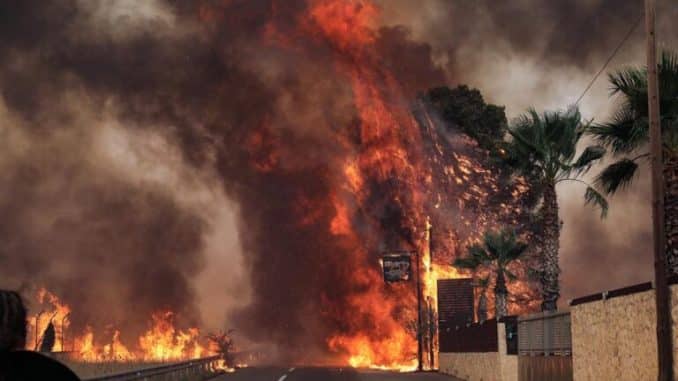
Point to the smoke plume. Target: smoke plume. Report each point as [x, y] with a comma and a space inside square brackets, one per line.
[127, 126]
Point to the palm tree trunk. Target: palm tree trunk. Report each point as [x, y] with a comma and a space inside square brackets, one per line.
[482, 307]
[671, 210]
[500, 296]
[550, 268]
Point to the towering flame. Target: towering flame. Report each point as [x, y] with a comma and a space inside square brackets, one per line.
[393, 185]
[387, 178]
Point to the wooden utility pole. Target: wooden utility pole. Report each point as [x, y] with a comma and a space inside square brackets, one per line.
[420, 336]
[662, 296]
[432, 323]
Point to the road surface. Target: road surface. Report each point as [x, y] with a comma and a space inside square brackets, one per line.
[327, 374]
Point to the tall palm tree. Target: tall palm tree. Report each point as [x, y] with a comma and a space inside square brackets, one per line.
[543, 148]
[482, 285]
[496, 253]
[626, 135]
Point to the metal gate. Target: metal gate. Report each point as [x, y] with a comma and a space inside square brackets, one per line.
[545, 347]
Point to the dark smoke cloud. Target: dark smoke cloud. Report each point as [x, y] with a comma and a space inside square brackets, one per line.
[105, 244]
[219, 82]
[205, 77]
[82, 214]
[559, 33]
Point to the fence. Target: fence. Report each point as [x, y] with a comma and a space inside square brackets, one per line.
[477, 352]
[545, 347]
[192, 368]
[546, 334]
[477, 337]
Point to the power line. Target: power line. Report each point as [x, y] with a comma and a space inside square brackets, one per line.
[614, 53]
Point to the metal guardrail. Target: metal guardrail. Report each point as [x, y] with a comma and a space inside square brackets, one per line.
[185, 368]
[545, 334]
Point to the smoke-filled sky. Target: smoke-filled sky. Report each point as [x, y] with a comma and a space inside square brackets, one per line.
[137, 140]
[543, 54]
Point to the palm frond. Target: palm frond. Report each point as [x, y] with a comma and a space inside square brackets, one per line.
[624, 133]
[628, 81]
[668, 75]
[628, 128]
[593, 197]
[587, 158]
[511, 276]
[504, 247]
[617, 175]
[516, 250]
[563, 131]
[670, 133]
[476, 258]
[527, 134]
[545, 144]
[466, 263]
[494, 244]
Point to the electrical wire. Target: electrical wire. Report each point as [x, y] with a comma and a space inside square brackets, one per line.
[614, 53]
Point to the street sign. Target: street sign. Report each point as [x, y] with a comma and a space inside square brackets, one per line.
[397, 267]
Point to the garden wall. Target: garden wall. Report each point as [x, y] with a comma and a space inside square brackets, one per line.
[471, 366]
[614, 337]
[473, 362]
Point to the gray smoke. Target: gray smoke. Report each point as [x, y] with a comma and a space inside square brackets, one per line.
[127, 126]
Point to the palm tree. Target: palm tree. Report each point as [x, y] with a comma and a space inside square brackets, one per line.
[543, 148]
[626, 135]
[495, 254]
[482, 285]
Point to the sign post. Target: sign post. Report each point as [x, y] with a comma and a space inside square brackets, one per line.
[398, 268]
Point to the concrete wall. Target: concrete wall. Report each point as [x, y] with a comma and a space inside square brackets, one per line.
[486, 366]
[615, 339]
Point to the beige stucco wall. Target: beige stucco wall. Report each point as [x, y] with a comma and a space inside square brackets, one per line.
[489, 366]
[508, 365]
[471, 366]
[615, 339]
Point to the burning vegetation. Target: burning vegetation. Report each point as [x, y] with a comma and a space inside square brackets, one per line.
[298, 111]
[50, 329]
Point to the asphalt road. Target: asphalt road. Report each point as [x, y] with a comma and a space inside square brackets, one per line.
[327, 374]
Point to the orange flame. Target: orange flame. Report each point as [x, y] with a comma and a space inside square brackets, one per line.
[161, 342]
[387, 132]
[164, 342]
[391, 148]
[51, 310]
